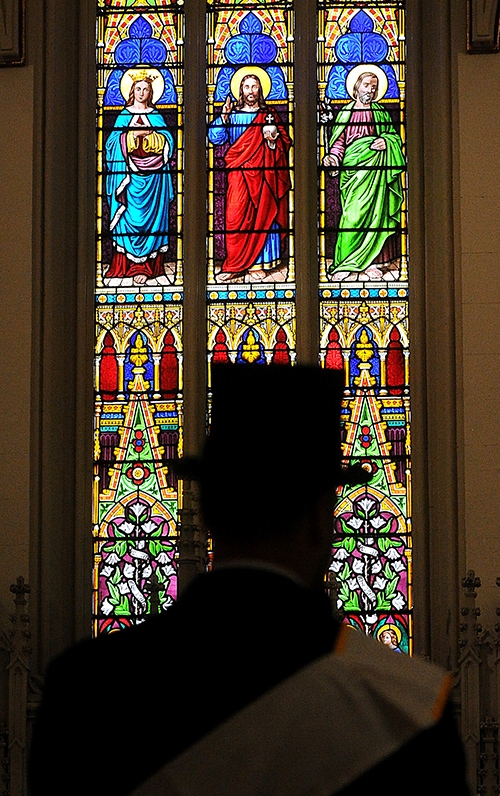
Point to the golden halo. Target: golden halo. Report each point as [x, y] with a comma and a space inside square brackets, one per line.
[141, 73]
[265, 80]
[388, 626]
[358, 70]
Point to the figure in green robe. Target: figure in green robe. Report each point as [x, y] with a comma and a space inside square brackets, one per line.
[367, 150]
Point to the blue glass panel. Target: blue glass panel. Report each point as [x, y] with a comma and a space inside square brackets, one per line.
[373, 47]
[140, 29]
[278, 87]
[348, 48]
[361, 23]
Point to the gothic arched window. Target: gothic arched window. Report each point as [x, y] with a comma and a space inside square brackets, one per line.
[268, 259]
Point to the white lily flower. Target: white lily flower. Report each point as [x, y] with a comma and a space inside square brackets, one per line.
[107, 571]
[112, 559]
[376, 567]
[352, 583]
[147, 572]
[149, 527]
[366, 504]
[123, 587]
[380, 582]
[168, 570]
[335, 566]
[162, 557]
[127, 527]
[377, 522]
[358, 565]
[355, 523]
[106, 607]
[399, 601]
[136, 509]
[341, 554]
[392, 553]
[398, 566]
[128, 571]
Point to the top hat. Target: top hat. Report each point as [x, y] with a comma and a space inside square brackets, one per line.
[273, 427]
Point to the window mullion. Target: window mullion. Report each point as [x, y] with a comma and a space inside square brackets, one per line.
[195, 228]
[306, 183]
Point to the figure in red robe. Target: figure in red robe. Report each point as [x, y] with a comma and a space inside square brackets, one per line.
[258, 181]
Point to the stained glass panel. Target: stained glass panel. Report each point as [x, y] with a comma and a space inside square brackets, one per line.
[139, 297]
[251, 263]
[363, 258]
[251, 268]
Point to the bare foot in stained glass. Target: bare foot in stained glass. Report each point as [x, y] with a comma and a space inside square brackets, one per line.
[373, 273]
[225, 276]
[339, 276]
[140, 279]
[255, 276]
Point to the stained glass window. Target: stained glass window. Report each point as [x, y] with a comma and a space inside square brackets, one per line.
[251, 264]
[364, 302]
[138, 365]
[250, 275]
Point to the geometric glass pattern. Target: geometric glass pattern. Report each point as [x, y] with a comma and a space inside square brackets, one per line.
[139, 300]
[363, 285]
[250, 245]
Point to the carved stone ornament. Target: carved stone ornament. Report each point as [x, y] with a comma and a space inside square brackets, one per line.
[11, 32]
[483, 28]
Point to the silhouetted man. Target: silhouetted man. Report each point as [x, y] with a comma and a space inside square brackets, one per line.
[248, 686]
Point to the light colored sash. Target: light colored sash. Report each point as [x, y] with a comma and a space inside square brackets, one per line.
[315, 732]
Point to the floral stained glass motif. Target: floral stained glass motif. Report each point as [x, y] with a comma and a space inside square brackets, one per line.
[363, 259]
[139, 292]
[251, 264]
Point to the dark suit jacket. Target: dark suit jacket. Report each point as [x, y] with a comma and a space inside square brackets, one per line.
[117, 708]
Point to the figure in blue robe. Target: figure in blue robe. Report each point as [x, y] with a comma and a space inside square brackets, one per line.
[139, 188]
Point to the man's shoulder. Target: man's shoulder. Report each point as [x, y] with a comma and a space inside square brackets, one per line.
[383, 706]
[415, 683]
[109, 651]
[149, 637]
